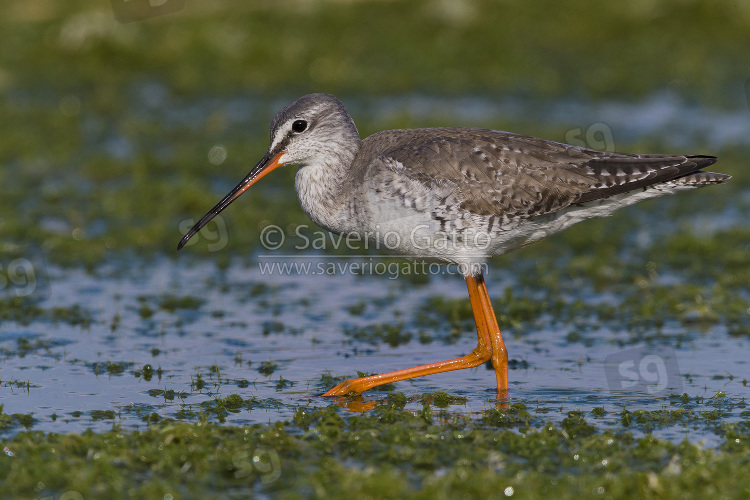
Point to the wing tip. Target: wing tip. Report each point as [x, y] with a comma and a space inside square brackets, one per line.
[702, 161]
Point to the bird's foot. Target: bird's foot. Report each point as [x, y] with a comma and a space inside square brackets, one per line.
[352, 386]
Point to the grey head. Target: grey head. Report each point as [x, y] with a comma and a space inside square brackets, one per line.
[313, 130]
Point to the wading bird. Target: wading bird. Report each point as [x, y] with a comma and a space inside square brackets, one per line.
[484, 192]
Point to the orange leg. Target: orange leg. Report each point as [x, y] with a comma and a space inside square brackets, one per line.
[499, 352]
[489, 346]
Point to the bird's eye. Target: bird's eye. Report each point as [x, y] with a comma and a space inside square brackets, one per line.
[299, 126]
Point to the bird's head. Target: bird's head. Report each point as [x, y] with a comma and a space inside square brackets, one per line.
[313, 130]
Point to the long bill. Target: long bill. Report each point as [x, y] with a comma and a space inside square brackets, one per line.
[266, 164]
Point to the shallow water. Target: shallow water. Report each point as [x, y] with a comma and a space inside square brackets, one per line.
[270, 339]
[298, 322]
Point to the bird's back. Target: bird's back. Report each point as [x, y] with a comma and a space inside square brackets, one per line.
[508, 175]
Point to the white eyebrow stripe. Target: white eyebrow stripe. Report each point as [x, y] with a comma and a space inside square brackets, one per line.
[282, 133]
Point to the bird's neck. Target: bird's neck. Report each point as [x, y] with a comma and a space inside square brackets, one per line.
[325, 188]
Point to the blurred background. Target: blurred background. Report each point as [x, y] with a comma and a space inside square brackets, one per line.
[122, 122]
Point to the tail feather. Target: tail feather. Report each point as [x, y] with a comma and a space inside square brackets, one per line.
[621, 173]
[701, 178]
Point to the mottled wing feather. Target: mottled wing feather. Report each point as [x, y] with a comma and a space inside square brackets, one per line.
[508, 175]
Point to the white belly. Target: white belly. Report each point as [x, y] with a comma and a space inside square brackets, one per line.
[416, 234]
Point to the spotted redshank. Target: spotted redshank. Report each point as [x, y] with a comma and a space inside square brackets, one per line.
[453, 195]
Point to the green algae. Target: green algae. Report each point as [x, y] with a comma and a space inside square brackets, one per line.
[111, 367]
[443, 399]
[24, 311]
[266, 368]
[145, 311]
[102, 414]
[15, 420]
[385, 454]
[381, 333]
[171, 303]
[515, 416]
